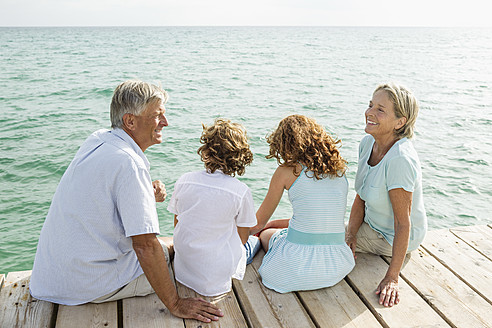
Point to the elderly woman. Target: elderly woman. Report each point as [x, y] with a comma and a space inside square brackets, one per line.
[388, 215]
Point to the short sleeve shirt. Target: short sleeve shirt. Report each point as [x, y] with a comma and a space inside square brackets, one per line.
[399, 168]
[104, 197]
[208, 250]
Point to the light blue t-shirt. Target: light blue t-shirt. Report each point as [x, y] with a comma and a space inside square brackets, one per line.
[399, 168]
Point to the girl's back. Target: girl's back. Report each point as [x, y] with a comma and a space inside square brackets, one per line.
[311, 253]
[318, 206]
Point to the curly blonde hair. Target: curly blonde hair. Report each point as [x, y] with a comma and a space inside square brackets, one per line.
[225, 147]
[299, 139]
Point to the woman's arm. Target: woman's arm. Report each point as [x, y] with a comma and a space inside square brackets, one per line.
[175, 220]
[401, 202]
[274, 194]
[355, 221]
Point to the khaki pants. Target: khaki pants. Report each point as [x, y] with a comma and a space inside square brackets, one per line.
[371, 241]
[140, 286]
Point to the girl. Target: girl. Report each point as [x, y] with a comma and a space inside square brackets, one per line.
[308, 251]
[213, 212]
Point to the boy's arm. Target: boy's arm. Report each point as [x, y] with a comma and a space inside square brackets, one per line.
[243, 233]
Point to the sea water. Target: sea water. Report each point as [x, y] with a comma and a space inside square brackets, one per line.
[56, 86]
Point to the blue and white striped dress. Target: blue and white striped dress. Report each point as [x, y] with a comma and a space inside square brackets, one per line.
[312, 252]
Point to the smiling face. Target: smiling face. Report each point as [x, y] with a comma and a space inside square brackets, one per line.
[381, 121]
[146, 128]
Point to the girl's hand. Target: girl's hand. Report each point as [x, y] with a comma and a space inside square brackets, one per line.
[256, 229]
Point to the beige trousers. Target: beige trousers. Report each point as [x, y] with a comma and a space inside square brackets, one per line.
[373, 242]
[139, 286]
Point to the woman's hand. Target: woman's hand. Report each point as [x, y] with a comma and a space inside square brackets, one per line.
[388, 291]
[351, 241]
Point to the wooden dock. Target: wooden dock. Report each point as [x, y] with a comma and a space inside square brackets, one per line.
[446, 283]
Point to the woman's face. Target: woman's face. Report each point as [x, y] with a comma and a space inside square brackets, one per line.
[381, 120]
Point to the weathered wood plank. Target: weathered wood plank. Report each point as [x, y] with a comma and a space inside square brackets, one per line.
[412, 311]
[266, 308]
[18, 308]
[2, 279]
[338, 306]
[465, 262]
[227, 302]
[103, 315]
[148, 311]
[478, 237]
[446, 293]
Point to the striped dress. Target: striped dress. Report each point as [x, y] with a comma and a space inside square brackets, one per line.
[311, 253]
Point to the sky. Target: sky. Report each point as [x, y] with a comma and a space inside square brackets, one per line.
[245, 13]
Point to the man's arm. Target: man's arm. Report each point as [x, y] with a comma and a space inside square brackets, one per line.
[153, 261]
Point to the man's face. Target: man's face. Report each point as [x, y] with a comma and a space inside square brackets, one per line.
[149, 125]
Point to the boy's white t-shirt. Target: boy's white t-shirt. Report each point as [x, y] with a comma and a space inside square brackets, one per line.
[208, 250]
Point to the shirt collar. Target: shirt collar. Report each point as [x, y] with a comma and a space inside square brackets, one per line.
[120, 133]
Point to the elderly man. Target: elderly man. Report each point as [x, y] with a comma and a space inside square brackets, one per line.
[98, 242]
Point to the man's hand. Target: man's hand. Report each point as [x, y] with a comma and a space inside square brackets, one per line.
[196, 308]
[159, 191]
[388, 291]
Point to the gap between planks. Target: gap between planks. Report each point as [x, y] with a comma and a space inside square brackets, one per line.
[450, 251]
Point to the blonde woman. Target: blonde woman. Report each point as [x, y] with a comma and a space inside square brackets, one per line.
[213, 212]
[388, 215]
[307, 251]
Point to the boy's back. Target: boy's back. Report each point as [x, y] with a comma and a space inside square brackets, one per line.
[208, 249]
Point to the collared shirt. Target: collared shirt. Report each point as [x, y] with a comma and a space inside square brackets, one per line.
[399, 168]
[105, 197]
[208, 250]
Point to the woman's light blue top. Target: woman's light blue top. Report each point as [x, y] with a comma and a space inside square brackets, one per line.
[312, 252]
[399, 168]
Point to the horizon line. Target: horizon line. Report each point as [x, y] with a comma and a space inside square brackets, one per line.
[350, 26]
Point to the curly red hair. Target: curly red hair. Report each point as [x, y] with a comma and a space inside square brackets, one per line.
[299, 139]
[225, 147]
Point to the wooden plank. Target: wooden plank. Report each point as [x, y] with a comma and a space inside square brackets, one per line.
[447, 294]
[227, 302]
[18, 308]
[466, 263]
[337, 306]
[264, 307]
[478, 237]
[412, 311]
[2, 279]
[148, 311]
[103, 315]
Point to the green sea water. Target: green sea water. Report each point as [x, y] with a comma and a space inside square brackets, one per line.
[56, 85]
